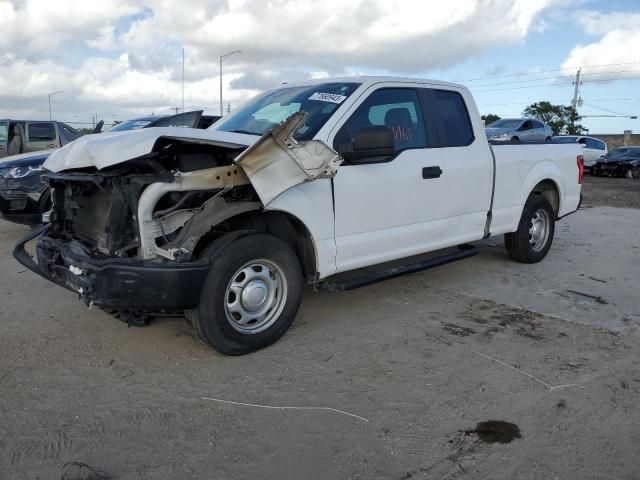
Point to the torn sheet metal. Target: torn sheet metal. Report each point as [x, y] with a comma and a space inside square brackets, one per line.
[277, 162]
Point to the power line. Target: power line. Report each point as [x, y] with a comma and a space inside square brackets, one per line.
[547, 71]
[555, 84]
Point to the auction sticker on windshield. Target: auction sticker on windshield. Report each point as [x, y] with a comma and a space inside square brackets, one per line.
[328, 97]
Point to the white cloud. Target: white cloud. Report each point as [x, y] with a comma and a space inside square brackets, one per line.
[124, 55]
[616, 54]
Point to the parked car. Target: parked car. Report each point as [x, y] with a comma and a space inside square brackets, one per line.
[23, 196]
[23, 136]
[592, 149]
[226, 224]
[518, 129]
[621, 162]
[193, 119]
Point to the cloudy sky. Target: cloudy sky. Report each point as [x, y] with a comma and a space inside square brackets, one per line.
[119, 58]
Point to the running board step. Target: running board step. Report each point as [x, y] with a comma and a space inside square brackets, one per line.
[372, 277]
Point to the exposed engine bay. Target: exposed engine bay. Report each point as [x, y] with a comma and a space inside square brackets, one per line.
[162, 204]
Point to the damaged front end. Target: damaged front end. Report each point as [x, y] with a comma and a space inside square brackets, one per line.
[130, 236]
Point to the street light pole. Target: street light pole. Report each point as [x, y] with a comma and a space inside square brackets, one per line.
[222, 57]
[51, 94]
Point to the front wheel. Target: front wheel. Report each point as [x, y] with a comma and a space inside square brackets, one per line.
[532, 241]
[251, 294]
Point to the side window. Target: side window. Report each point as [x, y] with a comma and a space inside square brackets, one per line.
[591, 143]
[397, 109]
[601, 145]
[456, 130]
[537, 124]
[41, 132]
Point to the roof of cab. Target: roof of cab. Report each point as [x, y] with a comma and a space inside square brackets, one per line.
[372, 80]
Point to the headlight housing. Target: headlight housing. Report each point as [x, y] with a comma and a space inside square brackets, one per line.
[24, 171]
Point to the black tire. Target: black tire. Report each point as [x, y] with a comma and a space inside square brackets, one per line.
[231, 256]
[515, 139]
[520, 244]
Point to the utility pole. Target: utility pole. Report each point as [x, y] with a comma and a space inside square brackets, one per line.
[222, 57]
[576, 90]
[175, 109]
[183, 79]
[51, 94]
[574, 101]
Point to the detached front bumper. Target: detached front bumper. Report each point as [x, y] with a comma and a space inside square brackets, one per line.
[114, 283]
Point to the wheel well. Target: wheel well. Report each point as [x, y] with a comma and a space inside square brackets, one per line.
[282, 225]
[549, 189]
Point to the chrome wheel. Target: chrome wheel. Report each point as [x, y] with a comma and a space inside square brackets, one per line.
[255, 296]
[539, 230]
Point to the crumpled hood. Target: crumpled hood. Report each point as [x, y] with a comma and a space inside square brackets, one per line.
[107, 149]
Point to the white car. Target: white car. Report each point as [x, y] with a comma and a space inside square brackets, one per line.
[592, 149]
[299, 185]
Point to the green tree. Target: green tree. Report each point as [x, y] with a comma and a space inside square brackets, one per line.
[562, 119]
[489, 118]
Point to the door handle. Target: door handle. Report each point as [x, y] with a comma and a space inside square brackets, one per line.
[431, 172]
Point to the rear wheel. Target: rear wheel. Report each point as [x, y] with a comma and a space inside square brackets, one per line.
[251, 294]
[532, 241]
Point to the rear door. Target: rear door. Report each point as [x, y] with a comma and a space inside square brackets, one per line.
[41, 136]
[4, 138]
[468, 171]
[590, 152]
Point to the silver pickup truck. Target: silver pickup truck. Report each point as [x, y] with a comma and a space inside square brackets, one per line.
[24, 136]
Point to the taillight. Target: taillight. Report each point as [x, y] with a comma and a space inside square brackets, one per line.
[580, 161]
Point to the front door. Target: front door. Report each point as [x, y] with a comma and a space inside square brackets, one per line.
[389, 209]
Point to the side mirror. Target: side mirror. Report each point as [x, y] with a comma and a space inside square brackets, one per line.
[370, 145]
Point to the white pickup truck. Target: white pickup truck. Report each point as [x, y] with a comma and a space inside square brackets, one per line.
[302, 183]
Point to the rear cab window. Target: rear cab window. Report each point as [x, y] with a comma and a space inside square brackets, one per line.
[454, 123]
[4, 131]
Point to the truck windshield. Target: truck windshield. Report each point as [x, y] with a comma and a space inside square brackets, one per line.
[3, 131]
[266, 111]
[505, 123]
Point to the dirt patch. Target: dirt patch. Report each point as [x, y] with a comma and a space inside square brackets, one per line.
[457, 330]
[498, 318]
[611, 192]
[495, 431]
